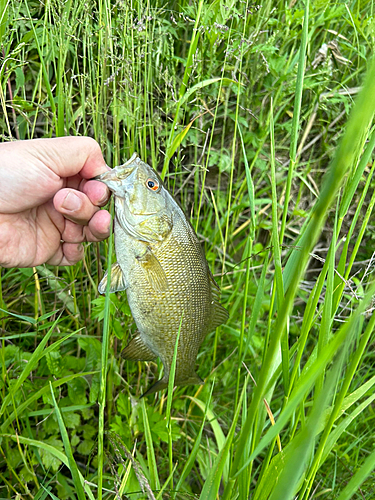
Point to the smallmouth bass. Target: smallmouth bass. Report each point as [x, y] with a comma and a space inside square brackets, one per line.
[162, 267]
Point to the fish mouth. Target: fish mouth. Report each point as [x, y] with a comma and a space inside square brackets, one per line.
[115, 177]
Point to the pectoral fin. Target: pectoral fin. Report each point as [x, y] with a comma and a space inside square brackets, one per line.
[137, 350]
[154, 272]
[118, 282]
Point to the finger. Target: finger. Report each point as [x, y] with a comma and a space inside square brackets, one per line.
[97, 230]
[72, 253]
[68, 156]
[97, 192]
[74, 205]
[73, 233]
[67, 254]
[57, 258]
[99, 226]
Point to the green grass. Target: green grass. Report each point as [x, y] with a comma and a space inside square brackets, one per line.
[268, 145]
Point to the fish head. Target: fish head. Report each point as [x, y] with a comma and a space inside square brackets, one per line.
[141, 200]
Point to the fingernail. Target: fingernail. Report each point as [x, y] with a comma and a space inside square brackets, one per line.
[103, 200]
[72, 202]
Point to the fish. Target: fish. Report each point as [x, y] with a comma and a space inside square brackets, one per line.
[162, 267]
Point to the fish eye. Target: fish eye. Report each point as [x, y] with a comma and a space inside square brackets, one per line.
[153, 185]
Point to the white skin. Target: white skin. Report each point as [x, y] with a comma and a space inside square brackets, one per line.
[48, 205]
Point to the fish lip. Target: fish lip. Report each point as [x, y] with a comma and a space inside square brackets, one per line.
[120, 173]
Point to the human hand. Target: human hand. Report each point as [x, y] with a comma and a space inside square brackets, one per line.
[48, 205]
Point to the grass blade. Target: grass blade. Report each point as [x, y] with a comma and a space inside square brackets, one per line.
[169, 403]
[212, 483]
[104, 363]
[190, 461]
[358, 478]
[296, 116]
[68, 450]
[151, 459]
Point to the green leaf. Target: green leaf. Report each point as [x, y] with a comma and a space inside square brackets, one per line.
[54, 363]
[20, 316]
[50, 459]
[72, 420]
[86, 446]
[20, 78]
[77, 391]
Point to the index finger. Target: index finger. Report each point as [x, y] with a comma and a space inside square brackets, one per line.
[68, 156]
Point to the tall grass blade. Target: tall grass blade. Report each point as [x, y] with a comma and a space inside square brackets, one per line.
[216, 429]
[212, 483]
[309, 377]
[44, 69]
[296, 116]
[169, 403]
[189, 464]
[301, 447]
[104, 363]
[151, 459]
[358, 478]
[278, 288]
[68, 450]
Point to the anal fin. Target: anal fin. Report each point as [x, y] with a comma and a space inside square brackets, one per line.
[137, 350]
[118, 282]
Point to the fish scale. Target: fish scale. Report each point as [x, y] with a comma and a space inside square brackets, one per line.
[162, 267]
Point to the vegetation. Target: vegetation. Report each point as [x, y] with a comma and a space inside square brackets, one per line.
[243, 108]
